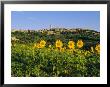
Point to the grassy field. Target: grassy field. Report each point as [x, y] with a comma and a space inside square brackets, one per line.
[55, 53]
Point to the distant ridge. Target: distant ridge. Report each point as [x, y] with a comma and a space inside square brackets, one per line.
[56, 29]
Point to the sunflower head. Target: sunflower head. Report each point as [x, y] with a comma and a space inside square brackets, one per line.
[38, 45]
[42, 43]
[97, 48]
[80, 43]
[71, 44]
[59, 44]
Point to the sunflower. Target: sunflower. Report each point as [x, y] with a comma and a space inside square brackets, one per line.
[38, 45]
[97, 48]
[62, 49]
[59, 44]
[42, 43]
[80, 43]
[71, 44]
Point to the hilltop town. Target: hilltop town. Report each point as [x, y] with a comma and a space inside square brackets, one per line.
[59, 30]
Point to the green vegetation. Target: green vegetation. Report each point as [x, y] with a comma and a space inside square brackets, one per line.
[46, 53]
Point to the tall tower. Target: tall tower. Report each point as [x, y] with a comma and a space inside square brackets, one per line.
[50, 26]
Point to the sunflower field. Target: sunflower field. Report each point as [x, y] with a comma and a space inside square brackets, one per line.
[39, 54]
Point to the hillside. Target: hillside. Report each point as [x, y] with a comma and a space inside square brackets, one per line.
[89, 37]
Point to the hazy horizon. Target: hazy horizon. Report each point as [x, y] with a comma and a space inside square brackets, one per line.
[53, 28]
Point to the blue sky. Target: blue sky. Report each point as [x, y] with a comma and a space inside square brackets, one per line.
[66, 19]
